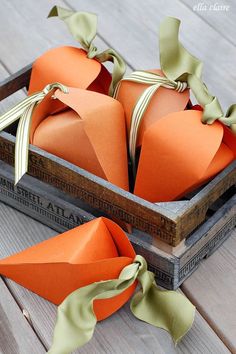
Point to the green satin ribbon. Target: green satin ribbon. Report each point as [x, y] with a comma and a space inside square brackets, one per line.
[83, 27]
[24, 111]
[179, 65]
[76, 320]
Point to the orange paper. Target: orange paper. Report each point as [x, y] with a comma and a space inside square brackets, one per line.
[95, 251]
[179, 153]
[163, 102]
[85, 128]
[71, 67]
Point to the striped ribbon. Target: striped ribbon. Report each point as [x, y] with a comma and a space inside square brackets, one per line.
[23, 111]
[155, 81]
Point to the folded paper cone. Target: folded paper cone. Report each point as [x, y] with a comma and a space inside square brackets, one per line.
[179, 153]
[85, 128]
[163, 102]
[53, 269]
[70, 66]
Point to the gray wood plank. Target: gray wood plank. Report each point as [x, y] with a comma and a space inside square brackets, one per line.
[13, 99]
[30, 27]
[19, 231]
[16, 335]
[132, 27]
[212, 288]
[219, 15]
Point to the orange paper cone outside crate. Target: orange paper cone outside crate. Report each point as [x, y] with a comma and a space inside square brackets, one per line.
[92, 252]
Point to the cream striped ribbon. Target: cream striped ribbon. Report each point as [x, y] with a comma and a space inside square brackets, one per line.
[24, 111]
[155, 81]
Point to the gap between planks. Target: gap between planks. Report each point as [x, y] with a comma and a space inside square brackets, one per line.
[16, 335]
[212, 288]
[134, 336]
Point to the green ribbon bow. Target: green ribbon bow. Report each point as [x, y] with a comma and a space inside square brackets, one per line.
[164, 309]
[181, 70]
[24, 111]
[83, 27]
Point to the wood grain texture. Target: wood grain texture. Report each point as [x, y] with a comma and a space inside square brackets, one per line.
[31, 28]
[212, 288]
[133, 27]
[16, 335]
[218, 14]
[121, 333]
[12, 99]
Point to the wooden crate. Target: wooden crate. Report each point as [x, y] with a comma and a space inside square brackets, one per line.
[167, 223]
[62, 212]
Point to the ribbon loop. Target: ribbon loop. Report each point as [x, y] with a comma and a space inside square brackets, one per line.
[164, 309]
[83, 27]
[181, 86]
[53, 86]
[24, 111]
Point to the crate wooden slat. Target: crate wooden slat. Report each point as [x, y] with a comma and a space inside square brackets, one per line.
[61, 212]
[163, 221]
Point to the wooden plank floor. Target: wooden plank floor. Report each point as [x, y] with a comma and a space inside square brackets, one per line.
[130, 27]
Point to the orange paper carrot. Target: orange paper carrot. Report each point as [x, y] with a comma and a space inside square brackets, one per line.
[95, 251]
[85, 128]
[179, 154]
[91, 271]
[180, 148]
[78, 67]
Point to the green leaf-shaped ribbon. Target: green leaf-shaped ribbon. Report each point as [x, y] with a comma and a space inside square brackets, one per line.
[178, 64]
[164, 309]
[83, 27]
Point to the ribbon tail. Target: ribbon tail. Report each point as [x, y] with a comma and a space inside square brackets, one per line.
[136, 119]
[76, 319]
[176, 61]
[22, 143]
[75, 324]
[164, 309]
[119, 67]
[15, 112]
[82, 25]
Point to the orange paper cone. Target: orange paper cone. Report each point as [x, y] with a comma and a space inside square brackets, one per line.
[164, 101]
[95, 251]
[85, 128]
[71, 67]
[179, 153]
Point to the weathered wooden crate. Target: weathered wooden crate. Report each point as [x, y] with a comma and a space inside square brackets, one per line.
[167, 224]
[62, 212]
